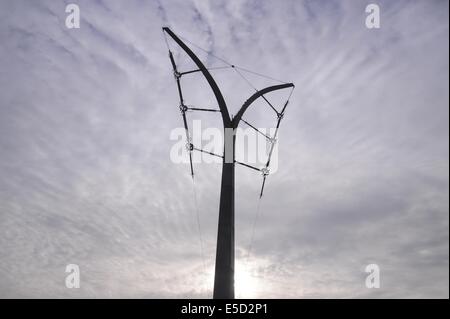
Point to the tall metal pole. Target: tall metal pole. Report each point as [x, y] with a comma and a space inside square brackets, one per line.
[224, 268]
[224, 272]
[224, 275]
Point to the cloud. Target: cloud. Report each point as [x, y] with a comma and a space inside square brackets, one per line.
[86, 176]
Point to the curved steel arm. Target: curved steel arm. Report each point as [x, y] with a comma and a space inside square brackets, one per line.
[254, 97]
[219, 97]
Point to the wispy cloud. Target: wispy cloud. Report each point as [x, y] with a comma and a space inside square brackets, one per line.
[86, 178]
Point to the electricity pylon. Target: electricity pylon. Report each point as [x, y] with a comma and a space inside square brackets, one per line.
[224, 267]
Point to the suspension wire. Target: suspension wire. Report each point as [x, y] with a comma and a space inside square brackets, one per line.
[233, 65]
[201, 109]
[246, 80]
[220, 67]
[259, 74]
[200, 235]
[207, 51]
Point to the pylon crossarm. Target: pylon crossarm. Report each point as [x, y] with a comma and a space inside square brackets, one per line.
[280, 115]
[201, 67]
[247, 165]
[250, 125]
[254, 97]
[209, 69]
[189, 72]
[206, 152]
[270, 104]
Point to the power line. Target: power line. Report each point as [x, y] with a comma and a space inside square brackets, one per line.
[200, 235]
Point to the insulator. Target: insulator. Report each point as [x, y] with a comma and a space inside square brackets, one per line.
[183, 108]
[189, 147]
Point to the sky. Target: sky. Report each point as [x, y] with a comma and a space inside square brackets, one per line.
[86, 176]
